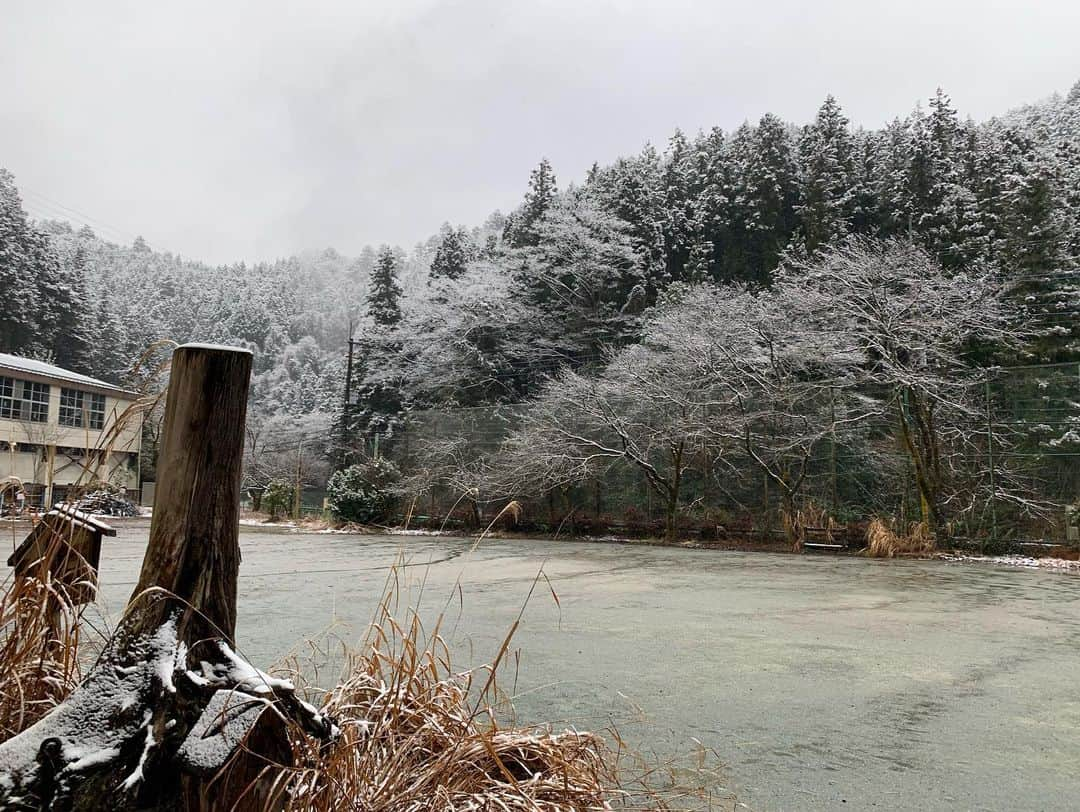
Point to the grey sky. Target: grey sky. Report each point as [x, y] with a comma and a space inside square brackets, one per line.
[229, 130]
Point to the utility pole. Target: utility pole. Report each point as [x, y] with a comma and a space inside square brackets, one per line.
[990, 454]
[346, 410]
[296, 491]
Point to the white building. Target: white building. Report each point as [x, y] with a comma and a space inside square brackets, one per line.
[59, 428]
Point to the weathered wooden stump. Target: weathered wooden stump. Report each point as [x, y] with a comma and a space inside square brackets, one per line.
[170, 718]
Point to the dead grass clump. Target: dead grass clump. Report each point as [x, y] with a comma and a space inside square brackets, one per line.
[416, 736]
[883, 542]
[39, 644]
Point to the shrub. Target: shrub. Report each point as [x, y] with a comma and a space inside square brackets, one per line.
[277, 497]
[364, 492]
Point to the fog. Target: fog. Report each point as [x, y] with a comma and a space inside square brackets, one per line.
[255, 130]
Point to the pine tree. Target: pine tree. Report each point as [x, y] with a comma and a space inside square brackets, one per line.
[453, 254]
[45, 314]
[520, 229]
[827, 178]
[583, 281]
[1033, 249]
[19, 255]
[892, 159]
[679, 223]
[108, 357]
[541, 194]
[632, 190]
[73, 308]
[766, 195]
[942, 206]
[384, 293]
[866, 206]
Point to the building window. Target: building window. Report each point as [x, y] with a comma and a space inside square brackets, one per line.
[24, 400]
[71, 407]
[96, 414]
[7, 399]
[36, 396]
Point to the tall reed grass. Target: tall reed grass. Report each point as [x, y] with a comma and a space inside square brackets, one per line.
[883, 542]
[40, 638]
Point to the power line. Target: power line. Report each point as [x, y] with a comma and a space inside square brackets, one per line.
[41, 213]
[44, 200]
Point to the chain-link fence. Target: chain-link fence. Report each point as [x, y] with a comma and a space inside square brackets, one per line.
[1012, 469]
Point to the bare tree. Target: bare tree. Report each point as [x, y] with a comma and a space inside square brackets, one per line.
[919, 330]
[772, 390]
[637, 412]
[285, 449]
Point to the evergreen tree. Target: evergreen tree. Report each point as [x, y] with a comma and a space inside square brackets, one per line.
[583, 281]
[681, 224]
[827, 178]
[892, 159]
[73, 310]
[384, 293]
[521, 226]
[631, 190]
[108, 355]
[454, 253]
[1033, 251]
[45, 311]
[20, 252]
[766, 196]
[713, 203]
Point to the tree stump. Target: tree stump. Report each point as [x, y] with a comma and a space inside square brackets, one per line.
[170, 718]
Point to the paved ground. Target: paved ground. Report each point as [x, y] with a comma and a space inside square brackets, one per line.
[823, 683]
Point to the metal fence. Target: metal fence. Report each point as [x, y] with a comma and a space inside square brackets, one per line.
[1031, 428]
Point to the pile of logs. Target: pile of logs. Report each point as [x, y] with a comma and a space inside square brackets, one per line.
[170, 718]
[105, 503]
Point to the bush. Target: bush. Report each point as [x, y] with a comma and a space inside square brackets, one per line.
[277, 498]
[363, 493]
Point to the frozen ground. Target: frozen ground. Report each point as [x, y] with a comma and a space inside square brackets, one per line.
[823, 683]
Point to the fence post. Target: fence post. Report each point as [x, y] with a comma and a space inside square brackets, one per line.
[990, 454]
[834, 491]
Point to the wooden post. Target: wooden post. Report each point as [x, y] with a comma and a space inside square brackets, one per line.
[170, 718]
[194, 549]
[50, 465]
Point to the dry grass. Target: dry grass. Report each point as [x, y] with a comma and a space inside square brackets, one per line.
[415, 734]
[883, 542]
[418, 736]
[40, 634]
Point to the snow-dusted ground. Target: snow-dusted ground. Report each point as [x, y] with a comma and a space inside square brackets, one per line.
[1061, 564]
[822, 682]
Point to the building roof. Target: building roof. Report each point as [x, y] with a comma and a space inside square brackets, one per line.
[28, 366]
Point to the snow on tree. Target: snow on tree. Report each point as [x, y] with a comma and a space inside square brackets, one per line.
[583, 281]
[765, 193]
[454, 253]
[520, 226]
[384, 293]
[635, 413]
[46, 307]
[918, 329]
[827, 178]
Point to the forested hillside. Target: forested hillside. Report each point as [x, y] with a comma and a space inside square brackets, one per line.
[482, 315]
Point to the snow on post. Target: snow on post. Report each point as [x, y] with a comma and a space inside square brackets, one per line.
[160, 720]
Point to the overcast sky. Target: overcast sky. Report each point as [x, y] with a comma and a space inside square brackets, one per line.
[229, 130]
